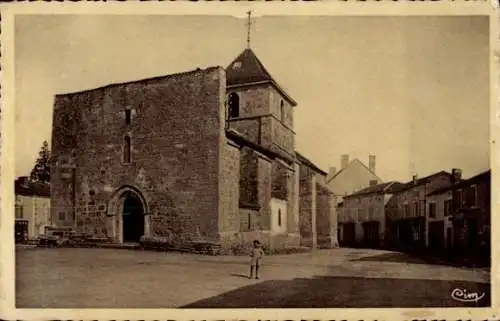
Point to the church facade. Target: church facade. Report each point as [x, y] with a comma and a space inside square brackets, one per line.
[206, 155]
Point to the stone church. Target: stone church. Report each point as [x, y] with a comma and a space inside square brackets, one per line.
[205, 155]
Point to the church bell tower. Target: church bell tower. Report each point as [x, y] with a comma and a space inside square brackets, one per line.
[257, 106]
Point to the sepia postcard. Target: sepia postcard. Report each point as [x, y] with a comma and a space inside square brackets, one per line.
[250, 161]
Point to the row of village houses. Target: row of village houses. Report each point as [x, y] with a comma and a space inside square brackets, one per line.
[442, 211]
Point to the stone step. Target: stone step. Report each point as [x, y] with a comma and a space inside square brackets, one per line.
[131, 246]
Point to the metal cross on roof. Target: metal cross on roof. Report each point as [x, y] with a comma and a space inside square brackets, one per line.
[249, 25]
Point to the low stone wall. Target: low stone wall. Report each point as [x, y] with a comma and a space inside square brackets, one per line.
[168, 244]
[240, 243]
[327, 242]
[235, 243]
[293, 240]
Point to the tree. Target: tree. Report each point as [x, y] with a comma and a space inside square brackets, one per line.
[41, 171]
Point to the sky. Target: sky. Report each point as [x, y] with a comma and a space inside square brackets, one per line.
[414, 91]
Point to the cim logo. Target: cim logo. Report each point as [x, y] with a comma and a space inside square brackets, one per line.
[463, 295]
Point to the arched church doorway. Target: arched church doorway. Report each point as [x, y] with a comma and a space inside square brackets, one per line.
[133, 218]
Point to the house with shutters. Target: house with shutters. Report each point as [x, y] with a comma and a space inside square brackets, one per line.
[439, 235]
[459, 217]
[408, 210]
[362, 215]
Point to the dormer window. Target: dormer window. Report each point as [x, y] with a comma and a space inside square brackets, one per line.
[234, 105]
[237, 65]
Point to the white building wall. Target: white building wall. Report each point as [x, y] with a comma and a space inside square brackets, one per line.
[36, 210]
[357, 209]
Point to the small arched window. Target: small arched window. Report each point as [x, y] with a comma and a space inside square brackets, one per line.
[282, 110]
[279, 217]
[234, 105]
[126, 149]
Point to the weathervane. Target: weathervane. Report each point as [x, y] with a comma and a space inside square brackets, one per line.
[249, 25]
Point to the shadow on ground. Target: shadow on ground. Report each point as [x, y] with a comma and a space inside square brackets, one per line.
[240, 275]
[346, 292]
[392, 257]
[423, 258]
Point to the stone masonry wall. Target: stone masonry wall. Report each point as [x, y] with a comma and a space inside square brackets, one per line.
[248, 219]
[279, 174]
[248, 128]
[275, 102]
[254, 101]
[264, 191]
[229, 190]
[293, 222]
[292, 203]
[248, 175]
[326, 226]
[323, 213]
[175, 144]
[63, 146]
[307, 207]
[283, 136]
[262, 104]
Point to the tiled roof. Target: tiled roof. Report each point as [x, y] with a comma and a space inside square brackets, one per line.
[485, 174]
[308, 163]
[439, 191]
[461, 183]
[422, 180]
[389, 187]
[32, 189]
[240, 139]
[248, 69]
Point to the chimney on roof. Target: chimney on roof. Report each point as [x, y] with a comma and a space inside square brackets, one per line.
[332, 171]
[371, 163]
[23, 180]
[456, 175]
[344, 161]
[414, 179]
[373, 182]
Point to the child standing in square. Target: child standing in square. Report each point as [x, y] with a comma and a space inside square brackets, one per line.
[255, 258]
